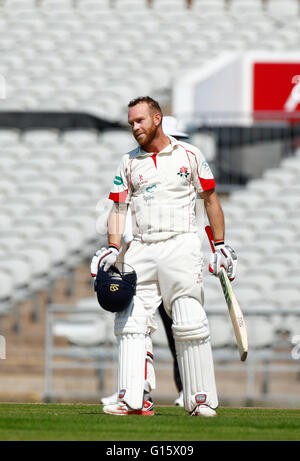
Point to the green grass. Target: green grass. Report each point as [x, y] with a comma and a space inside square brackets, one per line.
[49, 422]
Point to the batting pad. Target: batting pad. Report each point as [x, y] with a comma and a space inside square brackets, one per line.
[131, 375]
[194, 354]
[149, 368]
[130, 330]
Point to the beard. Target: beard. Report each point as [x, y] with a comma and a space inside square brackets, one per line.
[145, 137]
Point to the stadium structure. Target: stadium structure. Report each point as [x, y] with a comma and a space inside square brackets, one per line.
[228, 70]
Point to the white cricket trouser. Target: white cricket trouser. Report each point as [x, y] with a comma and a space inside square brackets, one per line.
[167, 270]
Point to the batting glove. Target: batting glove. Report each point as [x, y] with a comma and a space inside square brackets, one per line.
[104, 259]
[224, 256]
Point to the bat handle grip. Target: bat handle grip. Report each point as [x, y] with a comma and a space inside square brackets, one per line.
[210, 237]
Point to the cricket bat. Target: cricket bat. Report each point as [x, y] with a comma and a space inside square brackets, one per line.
[235, 311]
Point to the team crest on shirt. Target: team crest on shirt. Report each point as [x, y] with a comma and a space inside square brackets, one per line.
[183, 172]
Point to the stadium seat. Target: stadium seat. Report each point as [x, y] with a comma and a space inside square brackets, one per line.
[219, 324]
[15, 5]
[55, 242]
[6, 219]
[285, 295]
[7, 161]
[39, 138]
[168, 5]
[22, 278]
[73, 237]
[261, 328]
[246, 293]
[260, 280]
[29, 228]
[276, 8]
[82, 329]
[9, 137]
[275, 175]
[10, 238]
[251, 255]
[18, 151]
[93, 5]
[8, 185]
[113, 139]
[56, 5]
[265, 187]
[80, 138]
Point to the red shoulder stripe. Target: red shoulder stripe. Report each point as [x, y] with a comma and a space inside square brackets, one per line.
[207, 183]
[119, 197]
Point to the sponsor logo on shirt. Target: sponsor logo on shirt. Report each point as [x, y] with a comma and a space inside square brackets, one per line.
[151, 189]
[118, 181]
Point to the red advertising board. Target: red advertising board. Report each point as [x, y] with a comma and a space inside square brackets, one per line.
[276, 90]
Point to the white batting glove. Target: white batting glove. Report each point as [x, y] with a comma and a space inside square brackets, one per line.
[224, 256]
[104, 259]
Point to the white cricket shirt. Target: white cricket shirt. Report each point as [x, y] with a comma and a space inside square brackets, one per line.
[161, 189]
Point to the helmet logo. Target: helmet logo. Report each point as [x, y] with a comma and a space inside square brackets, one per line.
[114, 287]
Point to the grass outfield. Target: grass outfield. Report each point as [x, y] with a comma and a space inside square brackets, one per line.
[50, 422]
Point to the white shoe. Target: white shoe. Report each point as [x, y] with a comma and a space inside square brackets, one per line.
[179, 401]
[110, 400]
[121, 409]
[203, 410]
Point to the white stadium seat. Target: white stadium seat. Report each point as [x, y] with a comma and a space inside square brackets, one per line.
[261, 328]
[82, 331]
[8, 186]
[22, 277]
[219, 324]
[19, 5]
[62, 36]
[80, 138]
[279, 9]
[57, 246]
[40, 138]
[9, 137]
[6, 219]
[56, 5]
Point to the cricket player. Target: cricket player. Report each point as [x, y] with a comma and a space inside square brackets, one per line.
[169, 126]
[160, 179]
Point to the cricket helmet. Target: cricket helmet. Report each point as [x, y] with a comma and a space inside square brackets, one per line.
[116, 287]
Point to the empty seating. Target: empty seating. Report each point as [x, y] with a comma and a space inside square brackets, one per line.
[58, 48]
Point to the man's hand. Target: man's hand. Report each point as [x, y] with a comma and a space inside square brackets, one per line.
[104, 259]
[224, 256]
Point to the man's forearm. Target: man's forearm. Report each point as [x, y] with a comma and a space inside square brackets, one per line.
[215, 215]
[216, 221]
[116, 223]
